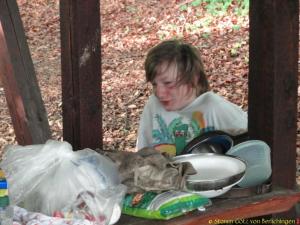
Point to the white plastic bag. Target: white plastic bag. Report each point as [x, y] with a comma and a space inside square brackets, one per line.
[51, 178]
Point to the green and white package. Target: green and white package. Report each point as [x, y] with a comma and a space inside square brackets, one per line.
[162, 206]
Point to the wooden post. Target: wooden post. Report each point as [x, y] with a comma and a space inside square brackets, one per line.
[81, 73]
[273, 71]
[17, 73]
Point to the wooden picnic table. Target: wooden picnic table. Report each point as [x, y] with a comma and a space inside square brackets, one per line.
[225, 210]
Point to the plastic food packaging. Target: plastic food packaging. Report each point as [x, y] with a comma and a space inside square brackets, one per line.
[6, 213]
[51, 178]
[163, 206]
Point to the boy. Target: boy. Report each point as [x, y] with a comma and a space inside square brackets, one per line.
[182, 107]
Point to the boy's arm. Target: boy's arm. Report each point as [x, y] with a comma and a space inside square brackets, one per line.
[145, 129]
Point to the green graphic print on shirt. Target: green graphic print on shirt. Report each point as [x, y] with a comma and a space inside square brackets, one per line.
[172, 138]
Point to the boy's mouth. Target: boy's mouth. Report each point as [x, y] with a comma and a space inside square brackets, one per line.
[165, 102]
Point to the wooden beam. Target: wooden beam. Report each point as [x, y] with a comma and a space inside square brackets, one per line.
[226, 211]
[273, 75]
[17, 73]
[81, 73]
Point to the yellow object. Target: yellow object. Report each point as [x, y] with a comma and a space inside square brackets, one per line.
[3, 192]
[2, 175]
[169, 149]
[198, 116]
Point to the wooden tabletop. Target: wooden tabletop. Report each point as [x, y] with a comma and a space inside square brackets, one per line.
[224, 210]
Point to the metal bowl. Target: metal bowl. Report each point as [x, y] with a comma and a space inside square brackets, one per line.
[213, 185]
[214, 171]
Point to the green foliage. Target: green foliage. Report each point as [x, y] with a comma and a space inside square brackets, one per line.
[196, 3]
[183, 7]
[206, 35]
[236, 27]
[206, 22]
[192, 27]
[246, 59]
[131, 9]
[243, 8]
[235, 49]
[219, 7]
[203, 20]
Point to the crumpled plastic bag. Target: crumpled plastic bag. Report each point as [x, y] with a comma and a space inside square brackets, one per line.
[149, 170]
[52, 178]
[24, 217]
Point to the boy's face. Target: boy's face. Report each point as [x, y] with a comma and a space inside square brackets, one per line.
[172, 96]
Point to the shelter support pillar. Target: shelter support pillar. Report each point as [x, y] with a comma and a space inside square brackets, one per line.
[81, 73]
[273, 83]
[17, 74]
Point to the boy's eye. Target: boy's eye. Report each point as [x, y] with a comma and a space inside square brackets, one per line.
[169, 83]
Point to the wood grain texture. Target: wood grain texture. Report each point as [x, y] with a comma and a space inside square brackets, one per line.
[273, 82]
[81, 73]
[17, 73]
[229, 209]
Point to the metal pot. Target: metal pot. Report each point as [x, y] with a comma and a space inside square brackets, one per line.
[211, 142]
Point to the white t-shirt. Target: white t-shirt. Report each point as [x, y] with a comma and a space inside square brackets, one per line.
[170, 131]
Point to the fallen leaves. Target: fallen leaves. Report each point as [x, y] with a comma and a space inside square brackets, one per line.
[128, 29]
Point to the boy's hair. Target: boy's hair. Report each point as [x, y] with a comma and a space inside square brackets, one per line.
[184, 56]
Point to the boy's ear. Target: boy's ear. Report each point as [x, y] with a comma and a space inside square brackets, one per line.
[196, 80]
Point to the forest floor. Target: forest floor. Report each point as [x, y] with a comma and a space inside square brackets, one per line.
[128, 29]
